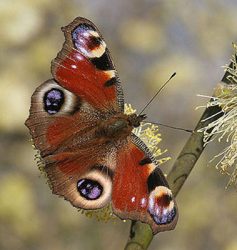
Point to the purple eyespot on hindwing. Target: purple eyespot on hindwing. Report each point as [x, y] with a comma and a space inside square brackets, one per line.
[161, 205]
[89, 189]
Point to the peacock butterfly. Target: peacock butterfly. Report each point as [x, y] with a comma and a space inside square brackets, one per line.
[90, 155]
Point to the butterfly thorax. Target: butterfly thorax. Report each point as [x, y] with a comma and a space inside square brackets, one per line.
[118, 126]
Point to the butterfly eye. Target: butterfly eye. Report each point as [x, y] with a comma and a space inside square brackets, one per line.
[53, 101]
[161, 205]
[89, 189]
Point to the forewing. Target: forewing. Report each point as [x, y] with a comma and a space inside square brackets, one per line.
[84, 67]
[59, 120]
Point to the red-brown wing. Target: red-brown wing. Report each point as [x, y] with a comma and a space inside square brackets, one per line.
[85, 89]
[140, 190]
[83, 177]
[84, 67]
[59, 120]
[65, 112]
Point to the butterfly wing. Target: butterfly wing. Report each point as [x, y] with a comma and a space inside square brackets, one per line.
[65, 112]
[84, 66]
[140, 190]
[84, 178]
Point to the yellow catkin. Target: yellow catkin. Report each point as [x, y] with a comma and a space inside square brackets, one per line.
[225, 127]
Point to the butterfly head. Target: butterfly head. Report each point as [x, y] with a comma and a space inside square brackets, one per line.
[135, 120]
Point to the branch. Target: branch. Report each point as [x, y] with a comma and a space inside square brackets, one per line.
[140, 233]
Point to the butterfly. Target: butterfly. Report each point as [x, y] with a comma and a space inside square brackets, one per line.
[85, 140]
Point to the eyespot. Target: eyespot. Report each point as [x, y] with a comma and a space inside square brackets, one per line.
[161, 205]
[94, 188]
[87, 40]
[89, 189]
[53, 100]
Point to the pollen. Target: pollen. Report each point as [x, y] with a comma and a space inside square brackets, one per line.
[150, 135]
[104, 214]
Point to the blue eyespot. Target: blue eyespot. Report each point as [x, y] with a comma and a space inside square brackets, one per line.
[53, 101]
[161, 206]
[89, 189]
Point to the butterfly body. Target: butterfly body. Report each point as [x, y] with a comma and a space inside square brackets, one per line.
[85, 139]
[118, 127]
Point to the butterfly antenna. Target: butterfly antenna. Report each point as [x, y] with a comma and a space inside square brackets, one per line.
[161, 124]
[157, 93]
[172, 127]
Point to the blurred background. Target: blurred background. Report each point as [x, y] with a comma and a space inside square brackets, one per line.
[149, 40]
